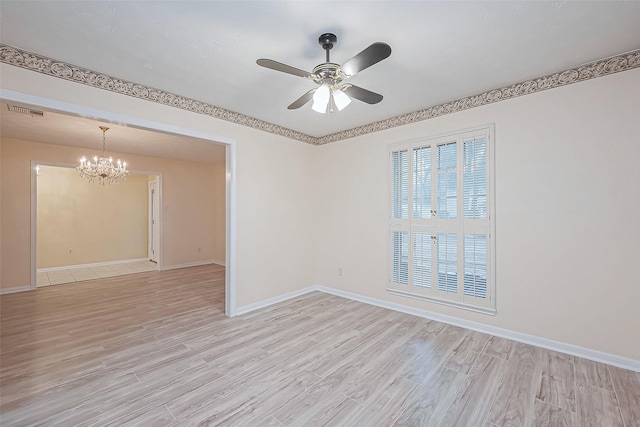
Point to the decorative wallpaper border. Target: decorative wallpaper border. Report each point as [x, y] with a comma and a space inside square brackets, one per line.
[614, 64]
[42, 64]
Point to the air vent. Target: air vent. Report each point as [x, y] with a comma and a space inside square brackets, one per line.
[24, 110]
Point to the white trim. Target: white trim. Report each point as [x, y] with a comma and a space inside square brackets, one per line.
[188, 264]
[436, 300]
[4, 291]
[230, 230]
[280, 298]
[218, 262]
[34, 224]
[574, 350]
[94, 113]
[93, 264]
[231, 152]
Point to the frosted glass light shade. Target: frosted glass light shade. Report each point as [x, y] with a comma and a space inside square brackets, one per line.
[321, 99]
[340, 99]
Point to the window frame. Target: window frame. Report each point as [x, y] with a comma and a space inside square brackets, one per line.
[460, 225]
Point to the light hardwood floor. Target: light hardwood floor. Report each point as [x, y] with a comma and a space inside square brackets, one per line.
[156, 349]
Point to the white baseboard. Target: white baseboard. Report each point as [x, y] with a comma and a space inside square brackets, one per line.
[267, 302]
[188, 264]
[94, 264]
[14, 290]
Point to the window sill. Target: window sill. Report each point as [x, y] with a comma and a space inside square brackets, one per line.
[469, 307]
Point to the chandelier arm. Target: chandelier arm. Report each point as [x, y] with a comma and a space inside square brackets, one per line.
[103, 170]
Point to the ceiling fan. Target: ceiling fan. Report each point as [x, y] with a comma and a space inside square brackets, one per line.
[333, 91]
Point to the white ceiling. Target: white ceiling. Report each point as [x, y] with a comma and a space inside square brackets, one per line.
[206, 50]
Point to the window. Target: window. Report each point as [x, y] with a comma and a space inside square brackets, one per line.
[440, 222]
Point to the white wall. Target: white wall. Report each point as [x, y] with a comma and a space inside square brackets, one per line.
[567, 213]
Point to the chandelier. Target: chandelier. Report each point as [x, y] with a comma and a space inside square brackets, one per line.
[103, 169]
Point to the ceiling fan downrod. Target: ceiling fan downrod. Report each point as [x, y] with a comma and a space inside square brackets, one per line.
[326, 41]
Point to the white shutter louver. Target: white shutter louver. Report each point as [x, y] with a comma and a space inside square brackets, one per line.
[422, 259]
[447, 181]
[400, 183]
[448, 262]
[475, 179]
[400, 257]
[422, 182]
[475, 265]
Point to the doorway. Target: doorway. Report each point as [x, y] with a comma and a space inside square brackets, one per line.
[87, 231]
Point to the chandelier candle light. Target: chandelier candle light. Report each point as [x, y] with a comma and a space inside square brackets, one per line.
[103, 169]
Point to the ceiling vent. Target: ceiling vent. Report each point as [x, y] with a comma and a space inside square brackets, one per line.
[24, 110]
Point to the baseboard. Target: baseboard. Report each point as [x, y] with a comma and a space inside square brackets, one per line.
[267, 302]
[188, 264]
[14, 290]
[220, 263]
[574, 350]
[94, 264]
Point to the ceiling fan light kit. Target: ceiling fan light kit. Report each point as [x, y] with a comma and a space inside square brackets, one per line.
[332, 91]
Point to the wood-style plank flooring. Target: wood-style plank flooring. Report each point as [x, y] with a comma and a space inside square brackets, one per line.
[155, 348]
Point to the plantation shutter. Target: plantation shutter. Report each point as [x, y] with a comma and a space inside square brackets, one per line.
[440, 219]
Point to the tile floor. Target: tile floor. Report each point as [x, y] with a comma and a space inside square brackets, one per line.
[58, 277]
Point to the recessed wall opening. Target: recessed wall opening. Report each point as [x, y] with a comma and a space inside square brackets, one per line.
[89, 231]
[190, 171]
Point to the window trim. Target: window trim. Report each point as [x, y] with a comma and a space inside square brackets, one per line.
[408, 224]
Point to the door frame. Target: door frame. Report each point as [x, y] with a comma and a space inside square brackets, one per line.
[151, 238]
[135, 121]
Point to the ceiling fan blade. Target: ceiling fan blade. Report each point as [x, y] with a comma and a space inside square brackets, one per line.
[365, 59]
[363, 94]
[278, 66]
[302, 100]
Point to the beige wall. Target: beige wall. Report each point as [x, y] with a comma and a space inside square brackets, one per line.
[567, 213]
[567, 206]
[81, 222]
[184, 184]
[274, 180]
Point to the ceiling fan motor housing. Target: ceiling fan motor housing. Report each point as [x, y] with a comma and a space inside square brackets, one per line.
[328, 73]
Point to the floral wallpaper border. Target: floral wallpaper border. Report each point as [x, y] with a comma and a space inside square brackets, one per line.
[42, 64]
